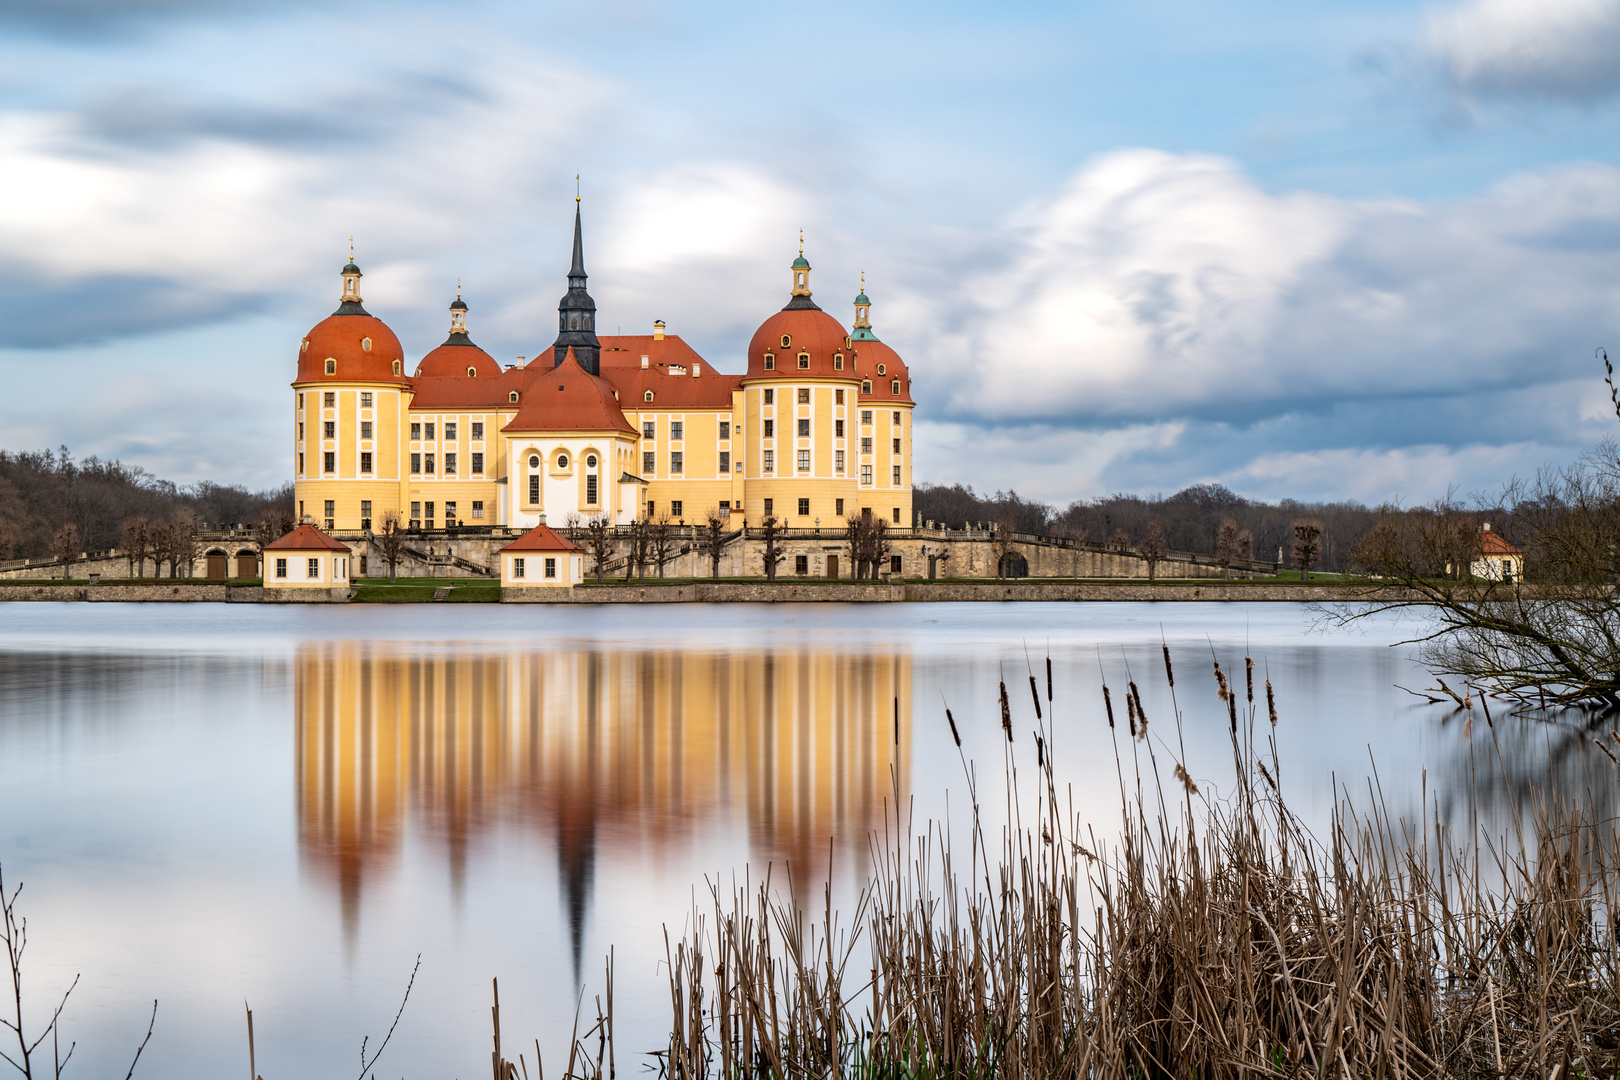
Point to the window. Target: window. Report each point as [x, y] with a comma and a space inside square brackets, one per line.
[649, 462]
[838, 461]
[518, 568]
[770, 362]
[429, 517]
[331, 367]
[365, 461]
[894, 388]
[427, 463]
[770, 396]
[804, 395]
[894, 560]
[450, 512]
[804, 461]
[330, 399]
[396, 372]
[365, 399]
[897, 446]
[300, 463]
[534, 461]
[416, 463]
[804, 507]
[365, 429]
[838, 507]
[314, 569]
[551, 568]
[725, 461]
[365, 513]
[804, 361]
[866, 386]
[769, 464]
[895, 417]
[329, 462]
[647, 397]
[725, 429]
[650, 513]
[365, 344]
[478, 463]
[801, 565]
[416, 431]
[281, 568]
[676, 458]
[838, 429]
[590, 489]
[450, 431]
[478, 509]
[477, 430]
[428, 434]
[649, 429]
[300, 401]
[450, 464]
[300, 432]
[786, 340]
[329, 429]
[804, 427]
[512, 397]
[770, 507]
[866, 474]
[866, 444]
[675, 508]
[770, 429]
[838, 396]
[897, 515]
[838, 361]
[896, 478]
[866, 416]
[416, 510]
[562, 461]
[675, 430]
[882, 370]
[331, 508]
[725, 504]
[472, 372]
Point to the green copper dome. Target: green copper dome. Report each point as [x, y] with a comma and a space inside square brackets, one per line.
[801, 263]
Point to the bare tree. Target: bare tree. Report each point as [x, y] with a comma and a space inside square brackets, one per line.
[869, 543]
[137, 544]
[714, 539]
[390, 543]
[878, 545]
[182, 544]
[599, 542]
[660, 542]
[1307, 545]
[1153, 548]
[771, 533]
[1226, 543]
[1004, 544]
[66, 547]
[635, 550]
[8, 539]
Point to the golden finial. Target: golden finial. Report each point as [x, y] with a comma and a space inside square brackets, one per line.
[576, 187]
[863, 281]
[458, 287]
[801, 241]
[351, 249]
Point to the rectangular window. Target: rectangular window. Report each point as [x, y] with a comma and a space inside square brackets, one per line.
[450, 431]
[478, 463]
[866, 416]
[838, 461]
[770, 507]
[331, 508]
[649, 462]
[365, 399]
[675, 430]
[300, 432]
[894, 563]
[365, 521]
[416, 510]
[281, 568]
[365, 429]
[590, 489]
[770, 396]
[427, 463]
[534, 489]
[551, 568]
[838, 507]
[329, 429]
[866, 474]
[314, 569]
[477, 430]
[675, 508]
[478, 509]
[897, 446]
[838, 396]
[416, 431]
[725, 461]
[896, 418]
[770, 429]
[804, 361]
[725, 504]
[866, 444]
[518, 568]
[649, 429]
[897, 476]
[725, 429]
[769, 462]
[330, 399]
[675, 461]
[416, 463]
[897, 515]
[804, 461]
[450, 512]
[428, 433]
[801, 565]
[429, 518]
[804, 395]
[329, 460]
[300, 463]
[300, 401]
[650, 512]
[365, 461]
[838, 429]
[804, 427]
[770, 364]
[804, 507]
[450, 464]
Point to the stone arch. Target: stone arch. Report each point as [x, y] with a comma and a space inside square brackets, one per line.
[1013, 565]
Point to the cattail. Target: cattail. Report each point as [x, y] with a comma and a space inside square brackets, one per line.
[1186, 781]
[954, 733]
[1141, 713]
[1048, 678]
[1130, 712]
[1040, 752]
[1598, 743]
[1271, 703]
[1267, 775]
[1222, 688]
[1231, 711]
[1006, 712]
[1108, 703]
[1035, 696]
[1169, 672]
[1248, 670]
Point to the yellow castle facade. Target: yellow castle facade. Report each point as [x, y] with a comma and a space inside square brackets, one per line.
[817, 429]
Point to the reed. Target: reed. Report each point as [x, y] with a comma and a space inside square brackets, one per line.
[1210, 938]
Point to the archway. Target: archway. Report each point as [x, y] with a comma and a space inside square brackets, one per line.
[219, 564]
[1013, 565]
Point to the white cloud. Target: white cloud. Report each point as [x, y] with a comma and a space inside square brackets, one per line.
[1374, 475]
[1531, 48]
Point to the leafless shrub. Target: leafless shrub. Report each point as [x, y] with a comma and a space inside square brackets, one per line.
[390, 541]
[1152, 547]
[714, 539]
[599, 542]
[65, 545]
[660, 542]
[771, 553]
[1307, 549]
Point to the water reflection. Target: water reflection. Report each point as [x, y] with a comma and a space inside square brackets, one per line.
[797, 748]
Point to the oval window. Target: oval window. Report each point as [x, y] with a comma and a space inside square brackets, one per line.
[787, 340]
[882, 370]
[534, 462]
[562, 461]
[573, 323]
[590, 462]
[472, 372]
[365, 343]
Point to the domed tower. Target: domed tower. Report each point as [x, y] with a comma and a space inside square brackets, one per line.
[799, 415]
[885, 420]
[349, 396]
[576, 314]
[458, 357]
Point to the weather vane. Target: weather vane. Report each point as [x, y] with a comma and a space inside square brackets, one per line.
[801, 241]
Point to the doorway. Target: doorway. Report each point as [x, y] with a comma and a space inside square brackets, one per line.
[832, 566]
[219, 565]
[247, 564]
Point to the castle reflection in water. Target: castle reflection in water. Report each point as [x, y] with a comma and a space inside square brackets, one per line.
[585, 746]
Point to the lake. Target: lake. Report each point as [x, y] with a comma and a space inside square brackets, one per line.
[214, 804]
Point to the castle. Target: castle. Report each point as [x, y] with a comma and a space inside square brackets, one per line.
[627, 428]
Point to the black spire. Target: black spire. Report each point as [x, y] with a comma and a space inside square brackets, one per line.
[576, 315]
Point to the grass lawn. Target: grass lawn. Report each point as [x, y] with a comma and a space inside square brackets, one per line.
[372, 590]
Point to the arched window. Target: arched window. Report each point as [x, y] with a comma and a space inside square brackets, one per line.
[472, 372]
[331, 366]
[573, 322]
[770, 362]
[894, 387]
[396, 367]
[512, 397]
[838, 361]
[587, 322]
[647, 397]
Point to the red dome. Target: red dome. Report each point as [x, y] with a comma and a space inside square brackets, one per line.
[453, 360]
[363, 347]
[809, 331]
[869, 356]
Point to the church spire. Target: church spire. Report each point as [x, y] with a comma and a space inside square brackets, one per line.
[576, 314]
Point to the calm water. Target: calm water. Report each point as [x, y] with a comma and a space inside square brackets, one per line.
[211, 804]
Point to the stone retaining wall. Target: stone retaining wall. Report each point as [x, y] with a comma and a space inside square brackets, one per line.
[167, 592]
[764, 592]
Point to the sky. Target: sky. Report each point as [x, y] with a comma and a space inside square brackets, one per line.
[1318, 251]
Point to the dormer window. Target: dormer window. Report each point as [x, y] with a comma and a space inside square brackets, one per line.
[804, 361]
[331, 366]
[770, 362]
[647, 397]
[866, 386]
[838, 361]
[472, 372]
[882, 370]
[365, 343]
[396, 367]
[305, 346]
[894, 388]
[786, 340]
[512, 397]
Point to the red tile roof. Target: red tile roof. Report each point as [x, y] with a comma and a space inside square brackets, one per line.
[306, 538]
[707, 391]
[342, 338]
[808, 330]
[868, 355]
[454, 360]
[567, 398]
[1491, 543]
[460, 392]
[628, 349]
[542, 538]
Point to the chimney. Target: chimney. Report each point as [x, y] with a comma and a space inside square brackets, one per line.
[696, 369]
[1487, 527]
[542, 517]
[658, 329]
[521, 359]
[644, 360]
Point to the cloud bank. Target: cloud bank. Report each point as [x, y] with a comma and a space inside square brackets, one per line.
[1555, 49]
